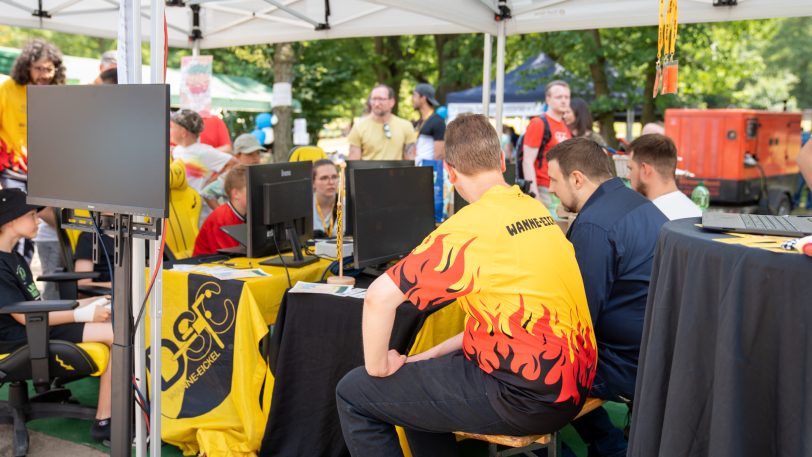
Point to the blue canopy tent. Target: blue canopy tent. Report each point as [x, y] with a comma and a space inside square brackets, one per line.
[524, 90]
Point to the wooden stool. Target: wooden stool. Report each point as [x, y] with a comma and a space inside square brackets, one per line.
[525, 444]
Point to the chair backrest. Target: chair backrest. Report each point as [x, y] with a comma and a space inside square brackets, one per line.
[184, 213]
[306, 154]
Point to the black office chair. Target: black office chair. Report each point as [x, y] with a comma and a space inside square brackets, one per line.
[49, 364]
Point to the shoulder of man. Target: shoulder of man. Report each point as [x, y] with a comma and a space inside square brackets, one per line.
[402, 123]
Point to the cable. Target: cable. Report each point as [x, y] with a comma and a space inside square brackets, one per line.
[282, 258]
[109, 264]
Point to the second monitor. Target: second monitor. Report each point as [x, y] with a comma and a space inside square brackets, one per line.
[280, 210]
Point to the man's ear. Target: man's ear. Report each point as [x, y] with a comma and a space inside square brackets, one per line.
[452, 173]
[578, 179]
[502, 160]
[647, 170]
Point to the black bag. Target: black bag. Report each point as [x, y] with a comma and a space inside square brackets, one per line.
[520, 149]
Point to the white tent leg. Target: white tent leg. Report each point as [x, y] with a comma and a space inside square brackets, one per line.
[500, 74]
[156, 60]
[629, 124]
[196, 48]
[486, 75]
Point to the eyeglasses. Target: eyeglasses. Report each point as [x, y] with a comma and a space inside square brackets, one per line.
[378, 99]
[328, 178]
[387, 131]
[47, 70]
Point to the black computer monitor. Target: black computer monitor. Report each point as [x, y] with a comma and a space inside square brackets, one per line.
[394, 212]
[99, 148]
[365, 165]
[279, 211]
[510, 178]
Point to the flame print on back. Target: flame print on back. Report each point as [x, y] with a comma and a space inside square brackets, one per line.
[437, 267]
[530, 346]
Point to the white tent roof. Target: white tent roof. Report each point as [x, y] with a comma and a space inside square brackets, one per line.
[239, 22]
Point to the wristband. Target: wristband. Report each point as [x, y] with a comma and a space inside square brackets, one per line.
[84, 314]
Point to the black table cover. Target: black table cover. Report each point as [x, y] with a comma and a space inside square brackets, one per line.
[726, 358]
[316, 341]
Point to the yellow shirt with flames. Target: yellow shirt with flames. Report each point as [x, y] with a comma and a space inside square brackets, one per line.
[13, 126]
[514, 273]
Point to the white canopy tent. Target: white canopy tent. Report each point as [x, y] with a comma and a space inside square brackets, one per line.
[220, 23]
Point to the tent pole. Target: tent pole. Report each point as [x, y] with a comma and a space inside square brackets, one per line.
[196, 48]
[156, 61]
[486, 75]
[629, 124]
[500, 74]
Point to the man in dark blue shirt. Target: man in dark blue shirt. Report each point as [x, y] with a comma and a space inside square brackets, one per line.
[614, 238]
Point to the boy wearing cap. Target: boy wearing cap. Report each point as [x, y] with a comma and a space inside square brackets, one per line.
[203, 163]
[430, 127]
[247, 150]
[89, 323]
[211, 238]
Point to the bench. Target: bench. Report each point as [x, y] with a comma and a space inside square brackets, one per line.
[524, 444]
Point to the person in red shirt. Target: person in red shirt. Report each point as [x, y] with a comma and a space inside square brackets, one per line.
[534, 162]
[215, 133]
[211, 238]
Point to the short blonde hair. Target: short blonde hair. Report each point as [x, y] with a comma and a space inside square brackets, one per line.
[235, 179]
[472, 145]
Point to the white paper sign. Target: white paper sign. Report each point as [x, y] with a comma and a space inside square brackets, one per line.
[282, 95]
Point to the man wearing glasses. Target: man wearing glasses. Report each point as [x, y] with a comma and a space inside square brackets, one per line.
[382, 135]
[39, 63]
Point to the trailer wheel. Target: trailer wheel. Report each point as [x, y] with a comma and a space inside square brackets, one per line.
[783, 206]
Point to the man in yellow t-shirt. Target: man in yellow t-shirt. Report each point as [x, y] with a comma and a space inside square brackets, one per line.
[382, 135]
[39, 63]
[526, 360]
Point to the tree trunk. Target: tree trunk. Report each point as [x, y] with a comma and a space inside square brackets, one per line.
[389, 68]
[283, 59]
[446, 52]
[649, 113]
[597, 68]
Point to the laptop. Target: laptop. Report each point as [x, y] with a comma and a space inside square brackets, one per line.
[240, 233]
[794, 226]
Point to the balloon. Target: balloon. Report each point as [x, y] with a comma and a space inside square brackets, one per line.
[263, 120]
[259, 135]
[442, 112]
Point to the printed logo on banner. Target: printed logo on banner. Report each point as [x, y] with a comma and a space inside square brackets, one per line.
[197, 358]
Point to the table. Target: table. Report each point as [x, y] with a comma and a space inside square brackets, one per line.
[316, 341]
[216, 384]
[726, 357]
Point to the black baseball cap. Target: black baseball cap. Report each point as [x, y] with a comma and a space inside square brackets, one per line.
[427, 90]
[13, 205]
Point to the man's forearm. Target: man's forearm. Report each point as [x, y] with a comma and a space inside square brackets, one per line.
[355, 153]
[409, 152]
[446, 347]
[382, 300]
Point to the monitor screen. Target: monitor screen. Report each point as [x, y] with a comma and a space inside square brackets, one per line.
[394, 212]
[510, 178]
[365, 165]
[100, 148]
[279, 195]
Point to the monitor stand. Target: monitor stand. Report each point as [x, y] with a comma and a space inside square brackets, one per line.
[296, 260]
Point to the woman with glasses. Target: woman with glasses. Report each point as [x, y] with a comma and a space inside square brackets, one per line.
[325, 192]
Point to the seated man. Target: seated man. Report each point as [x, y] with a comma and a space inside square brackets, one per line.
[246, 151]
[86, 323]
[651, 172]
[525, 361]
[211, 238]
[614, 238]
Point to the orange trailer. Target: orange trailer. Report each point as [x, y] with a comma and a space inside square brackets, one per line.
[744, 157]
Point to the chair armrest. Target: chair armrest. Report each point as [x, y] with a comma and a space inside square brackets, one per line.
[37, 306]
[69, 276]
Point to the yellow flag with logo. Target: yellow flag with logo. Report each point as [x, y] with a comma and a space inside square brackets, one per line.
[215, 384]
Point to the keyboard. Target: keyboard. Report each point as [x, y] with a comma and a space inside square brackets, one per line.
[753, 221]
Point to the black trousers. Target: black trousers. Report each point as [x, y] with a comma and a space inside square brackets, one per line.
[430, 400]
